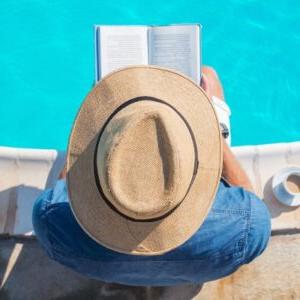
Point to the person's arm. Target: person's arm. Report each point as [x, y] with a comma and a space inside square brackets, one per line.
[232, 170]
[63, 172]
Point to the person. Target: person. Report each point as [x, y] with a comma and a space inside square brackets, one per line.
[199, 246]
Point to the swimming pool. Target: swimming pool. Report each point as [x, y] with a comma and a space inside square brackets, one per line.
[47, 62]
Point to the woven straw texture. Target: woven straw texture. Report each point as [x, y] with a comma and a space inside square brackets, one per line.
[144, 160]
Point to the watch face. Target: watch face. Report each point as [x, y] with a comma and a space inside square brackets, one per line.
[225, 131]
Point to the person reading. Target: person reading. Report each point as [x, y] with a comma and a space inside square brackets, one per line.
[151, 194]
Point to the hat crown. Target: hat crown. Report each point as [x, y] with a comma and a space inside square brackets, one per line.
[90, 160]
[145, 160]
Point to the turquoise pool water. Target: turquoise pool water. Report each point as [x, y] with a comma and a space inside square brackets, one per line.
[47, 62]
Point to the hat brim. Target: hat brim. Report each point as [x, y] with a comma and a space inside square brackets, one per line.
[95, 216]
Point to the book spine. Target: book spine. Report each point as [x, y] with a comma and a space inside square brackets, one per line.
[200, 51]
[148, 44]
[97, 54]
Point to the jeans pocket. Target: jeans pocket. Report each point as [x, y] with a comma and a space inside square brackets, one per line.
[224, 234]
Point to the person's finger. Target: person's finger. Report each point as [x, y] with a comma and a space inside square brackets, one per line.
[205, 85]
[212, 83]
[204, 82]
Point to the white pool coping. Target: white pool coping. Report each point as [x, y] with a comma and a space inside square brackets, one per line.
[24, 173]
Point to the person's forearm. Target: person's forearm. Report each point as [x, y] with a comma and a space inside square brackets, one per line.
[233, 171]
[63, 172]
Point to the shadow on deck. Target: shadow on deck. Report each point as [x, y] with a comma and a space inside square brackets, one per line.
[27, 273]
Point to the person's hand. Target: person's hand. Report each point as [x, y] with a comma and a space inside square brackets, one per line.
[211, 83]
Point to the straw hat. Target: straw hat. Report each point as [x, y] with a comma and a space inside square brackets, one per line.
[144, 160]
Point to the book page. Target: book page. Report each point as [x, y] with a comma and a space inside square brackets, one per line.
[176, 47]
[120, 46]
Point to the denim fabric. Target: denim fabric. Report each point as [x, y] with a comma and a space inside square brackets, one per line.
[236, 230]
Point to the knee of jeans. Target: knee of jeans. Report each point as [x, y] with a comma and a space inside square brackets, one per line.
[40, 225]
[37, 213]
[259, 229]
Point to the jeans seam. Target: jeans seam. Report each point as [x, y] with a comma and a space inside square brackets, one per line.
[243, 212]
[239, 251]
[247, 234]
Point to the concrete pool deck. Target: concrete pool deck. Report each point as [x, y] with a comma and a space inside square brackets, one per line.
[27, 273]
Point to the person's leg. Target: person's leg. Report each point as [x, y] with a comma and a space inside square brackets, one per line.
[237, 199]
[259, 230]
[235, 232]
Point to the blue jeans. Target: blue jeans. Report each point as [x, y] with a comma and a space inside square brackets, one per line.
[236, 231]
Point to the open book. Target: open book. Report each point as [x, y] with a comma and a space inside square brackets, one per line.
[176, 47]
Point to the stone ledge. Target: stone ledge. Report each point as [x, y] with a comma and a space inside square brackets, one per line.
[26, 172]
[27, 273]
